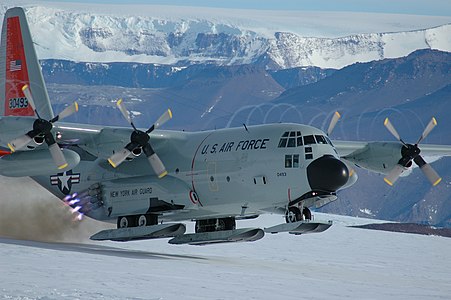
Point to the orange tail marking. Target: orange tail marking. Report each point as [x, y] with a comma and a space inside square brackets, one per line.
[16, 104]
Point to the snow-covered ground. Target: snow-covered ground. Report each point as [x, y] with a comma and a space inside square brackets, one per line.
[341, 263]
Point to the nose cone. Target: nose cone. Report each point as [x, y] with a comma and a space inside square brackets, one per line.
[327, 174]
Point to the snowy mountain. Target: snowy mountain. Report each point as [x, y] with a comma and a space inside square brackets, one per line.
[88, 34]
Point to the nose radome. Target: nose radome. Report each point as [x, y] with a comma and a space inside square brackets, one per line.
[327, 174]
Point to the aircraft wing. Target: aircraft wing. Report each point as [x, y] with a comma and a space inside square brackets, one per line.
[345, 148]
[382, 157]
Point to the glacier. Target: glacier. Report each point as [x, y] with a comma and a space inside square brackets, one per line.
[183, 36]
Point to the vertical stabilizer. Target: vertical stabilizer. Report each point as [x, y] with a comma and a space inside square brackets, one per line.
[19, 66]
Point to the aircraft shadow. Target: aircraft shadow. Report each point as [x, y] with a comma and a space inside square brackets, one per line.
[98, 250]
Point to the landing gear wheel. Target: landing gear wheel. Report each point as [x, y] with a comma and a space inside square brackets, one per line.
[142, 220]
[124, 222]
[307, 214]
[147, 220]
[293, 214]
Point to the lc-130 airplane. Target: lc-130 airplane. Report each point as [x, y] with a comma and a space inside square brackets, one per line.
[150, 180]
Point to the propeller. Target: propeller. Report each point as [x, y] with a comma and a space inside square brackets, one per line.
[411, 153]
[140, 139]
[42, 129]
[333, 122]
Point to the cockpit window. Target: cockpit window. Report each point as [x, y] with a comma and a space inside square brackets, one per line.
[299, 141]
[309, 140]
[282, 143]
[290, 139]
[320, 139]
[329, 141]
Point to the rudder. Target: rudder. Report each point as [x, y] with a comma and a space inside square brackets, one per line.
[19, 66]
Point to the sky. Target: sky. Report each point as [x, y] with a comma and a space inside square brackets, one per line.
[417, 7]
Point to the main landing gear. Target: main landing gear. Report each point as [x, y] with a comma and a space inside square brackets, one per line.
[294, 214]
[137, 221]
[299, 221]
[220, 230]
[211, 225]
[139, 227]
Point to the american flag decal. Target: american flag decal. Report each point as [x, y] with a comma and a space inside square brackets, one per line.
[15, 65]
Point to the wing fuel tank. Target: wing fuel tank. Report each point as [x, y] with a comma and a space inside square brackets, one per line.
[35, 163]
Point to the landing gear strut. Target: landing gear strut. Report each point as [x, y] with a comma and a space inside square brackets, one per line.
[211, 225]
[294, 214]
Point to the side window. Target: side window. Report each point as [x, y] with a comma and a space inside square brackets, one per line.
[296, 161]
[292, 161]
[288, 161]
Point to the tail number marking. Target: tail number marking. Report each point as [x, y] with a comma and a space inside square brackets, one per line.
[15, 103]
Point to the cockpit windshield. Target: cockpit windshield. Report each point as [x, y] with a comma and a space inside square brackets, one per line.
[292, 139]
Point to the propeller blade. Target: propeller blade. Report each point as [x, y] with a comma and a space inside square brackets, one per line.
[157, 165]
[117, 158]
[428, 171]
[20, 142]
[394, 175]
[155, 161]
[121, 105]
[428, 129]
[58, 156]
[333, 122]
[392, 130]
[163, 119]
[73, 108]
[27, 93]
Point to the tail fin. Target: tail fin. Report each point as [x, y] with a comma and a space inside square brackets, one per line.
[19, 66]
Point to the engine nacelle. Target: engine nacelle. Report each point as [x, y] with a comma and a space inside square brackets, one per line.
[34, 163]
[379, 157]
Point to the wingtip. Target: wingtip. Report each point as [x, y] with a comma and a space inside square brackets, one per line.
[337, 114]
[386, 121]
[118, 103]
[170, 113]
[76, 106]
[25, 87]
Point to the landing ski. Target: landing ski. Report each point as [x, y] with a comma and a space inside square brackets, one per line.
[140, 233]
[301, 227]
[225, 236]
